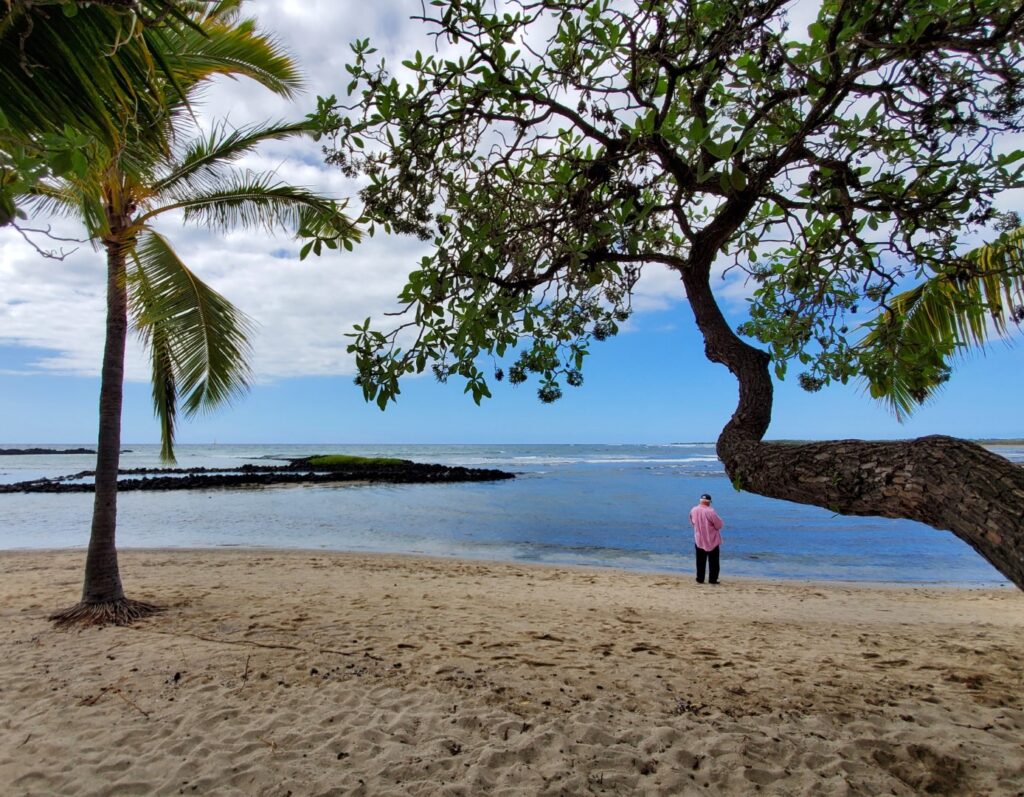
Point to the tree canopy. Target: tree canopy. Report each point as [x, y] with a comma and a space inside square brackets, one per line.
[75, 76]
[552, 150]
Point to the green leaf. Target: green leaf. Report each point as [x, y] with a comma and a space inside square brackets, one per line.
[1010, 157]
[907, 349]
[720, 149]
[198, 340]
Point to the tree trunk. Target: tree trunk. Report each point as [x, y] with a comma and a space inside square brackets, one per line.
[103, 601]
[944, 482]
[102, 577]
[947, 483]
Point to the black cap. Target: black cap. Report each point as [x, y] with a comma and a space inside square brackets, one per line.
[705, 497]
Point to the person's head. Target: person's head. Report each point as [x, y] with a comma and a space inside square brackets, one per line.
[705, 500]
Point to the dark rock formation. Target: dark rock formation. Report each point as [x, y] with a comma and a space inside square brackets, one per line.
[11, 452]
[296, 472]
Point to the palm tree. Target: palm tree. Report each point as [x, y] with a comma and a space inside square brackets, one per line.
[908, 348]
[196, 338]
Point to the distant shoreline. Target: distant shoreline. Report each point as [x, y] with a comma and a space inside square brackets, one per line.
[24, 452]
[981, 441]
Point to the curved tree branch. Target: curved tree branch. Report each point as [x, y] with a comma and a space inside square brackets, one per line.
[897, 479]
[910, 479]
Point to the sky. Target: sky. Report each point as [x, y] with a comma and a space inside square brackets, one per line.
[649, 384]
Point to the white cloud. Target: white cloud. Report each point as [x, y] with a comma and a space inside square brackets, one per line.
[52, 305]
[303, 310]
[657, 289]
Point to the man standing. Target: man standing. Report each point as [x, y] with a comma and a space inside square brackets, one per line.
[707, 538]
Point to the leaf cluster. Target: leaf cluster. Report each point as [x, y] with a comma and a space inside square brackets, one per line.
[79, 77]
[550, 151]
[907, 351]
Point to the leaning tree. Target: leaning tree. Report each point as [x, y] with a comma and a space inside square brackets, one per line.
[551, 150]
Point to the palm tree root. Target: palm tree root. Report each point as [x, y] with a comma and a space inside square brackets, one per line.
[119, 612]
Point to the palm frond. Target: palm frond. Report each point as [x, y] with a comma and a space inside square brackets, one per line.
[258, 201]
[164, 384]
[236, 49]
[198, 340]
[68, 199]
[57, 71]
[226, 11]
[907, 351]
[998, 281]
[204, 159]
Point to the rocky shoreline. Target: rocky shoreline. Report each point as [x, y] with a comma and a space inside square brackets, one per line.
[298, 471]
[21, 452]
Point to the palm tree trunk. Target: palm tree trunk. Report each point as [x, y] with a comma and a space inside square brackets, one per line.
[103, 599]
[102, 577]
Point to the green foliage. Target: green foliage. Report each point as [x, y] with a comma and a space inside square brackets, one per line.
[551, 151]
[75, 77]
[24, 163]
[907, 351]
[198, 340]
[346, 459]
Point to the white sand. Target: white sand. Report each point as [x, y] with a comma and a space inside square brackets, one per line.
[305, 673]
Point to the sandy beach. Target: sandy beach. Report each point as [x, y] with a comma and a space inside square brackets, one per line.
[307, 673]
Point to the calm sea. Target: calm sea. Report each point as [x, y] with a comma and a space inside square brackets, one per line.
[617, 506]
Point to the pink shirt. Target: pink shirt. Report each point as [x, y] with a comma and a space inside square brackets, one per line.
[706, 527]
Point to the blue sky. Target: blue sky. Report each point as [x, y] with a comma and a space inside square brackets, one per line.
[649, 384]
[652, 385]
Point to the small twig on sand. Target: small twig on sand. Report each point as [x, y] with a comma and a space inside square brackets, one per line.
[26, 740]
[245, 675]
[269, 646]
[130, 702]
[91, 700]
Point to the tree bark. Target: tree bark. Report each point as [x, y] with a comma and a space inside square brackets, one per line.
[947, 483]
[102, 577]
[103, 601]
[944, 482]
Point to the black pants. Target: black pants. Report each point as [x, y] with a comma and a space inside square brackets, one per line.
[707, 557]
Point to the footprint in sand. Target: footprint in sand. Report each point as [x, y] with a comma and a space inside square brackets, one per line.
[643, 647]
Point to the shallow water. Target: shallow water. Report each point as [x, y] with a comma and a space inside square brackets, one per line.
[620, 506]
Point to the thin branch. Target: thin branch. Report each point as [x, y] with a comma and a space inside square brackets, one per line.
[49, 254]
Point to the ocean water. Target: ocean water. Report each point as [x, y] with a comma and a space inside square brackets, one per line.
[615, 505]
